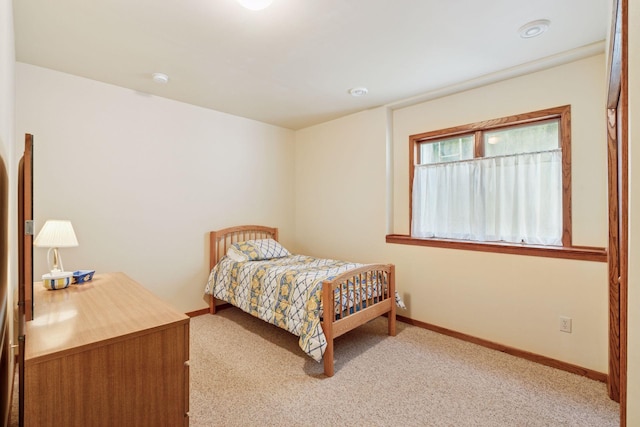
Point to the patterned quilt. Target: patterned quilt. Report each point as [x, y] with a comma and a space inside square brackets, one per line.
[283, 291]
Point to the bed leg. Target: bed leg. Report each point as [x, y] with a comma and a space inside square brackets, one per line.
[392, 323]
[328, 359]
[392, 295]
[212, 304]
[327, 326]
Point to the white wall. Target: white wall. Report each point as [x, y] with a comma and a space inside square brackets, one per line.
[340, 187]
[7, 97]
[7, 114]
[143, 178]
[7, 64]
[633, 353]
[341, 211]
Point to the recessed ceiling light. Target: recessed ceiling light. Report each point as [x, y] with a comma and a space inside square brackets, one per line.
[255, 4]
[160, 78]
[358, 91]
[534, 28]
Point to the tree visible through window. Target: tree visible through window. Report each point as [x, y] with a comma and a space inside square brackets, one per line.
[504, 180]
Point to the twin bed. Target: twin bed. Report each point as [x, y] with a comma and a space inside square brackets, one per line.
[252, 271]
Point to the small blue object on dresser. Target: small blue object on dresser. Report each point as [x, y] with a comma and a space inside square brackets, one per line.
[82, 276]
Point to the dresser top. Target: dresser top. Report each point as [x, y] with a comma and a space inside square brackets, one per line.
[110, 307]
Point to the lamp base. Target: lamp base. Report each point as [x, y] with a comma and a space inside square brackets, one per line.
[58, 280]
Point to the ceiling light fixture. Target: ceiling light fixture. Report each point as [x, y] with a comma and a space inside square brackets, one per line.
[160, 78]
[534, 28]
[358, 91]
[255, 4]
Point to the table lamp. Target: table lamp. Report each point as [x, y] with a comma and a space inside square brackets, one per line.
[56, 234]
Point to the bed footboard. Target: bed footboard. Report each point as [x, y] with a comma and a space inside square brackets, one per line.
[365, 293]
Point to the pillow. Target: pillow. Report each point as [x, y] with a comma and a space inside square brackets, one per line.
[256, 250]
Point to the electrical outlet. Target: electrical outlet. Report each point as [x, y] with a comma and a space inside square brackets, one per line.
[565, 324]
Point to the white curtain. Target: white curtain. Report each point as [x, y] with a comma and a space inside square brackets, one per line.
[515, 198]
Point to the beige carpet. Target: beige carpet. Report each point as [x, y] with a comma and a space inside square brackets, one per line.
[245, 372]
[13, 416]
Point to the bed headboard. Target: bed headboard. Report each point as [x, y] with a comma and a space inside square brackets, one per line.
[220, 240]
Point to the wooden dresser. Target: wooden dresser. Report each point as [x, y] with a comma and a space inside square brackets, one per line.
[106, 353]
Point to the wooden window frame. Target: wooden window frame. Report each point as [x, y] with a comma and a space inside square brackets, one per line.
[567, 250]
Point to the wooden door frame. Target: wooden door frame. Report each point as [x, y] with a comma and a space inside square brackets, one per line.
[25, 260]
[618, 160]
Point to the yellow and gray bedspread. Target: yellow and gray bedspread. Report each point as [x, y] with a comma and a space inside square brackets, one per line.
[283, 291]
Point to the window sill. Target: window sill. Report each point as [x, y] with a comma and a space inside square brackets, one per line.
[584, 253]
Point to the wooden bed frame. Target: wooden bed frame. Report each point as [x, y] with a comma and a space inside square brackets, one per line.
[342, 323]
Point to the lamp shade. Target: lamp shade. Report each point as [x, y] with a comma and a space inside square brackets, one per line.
[56, 234]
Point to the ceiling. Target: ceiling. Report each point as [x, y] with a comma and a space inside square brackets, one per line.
[292, 64]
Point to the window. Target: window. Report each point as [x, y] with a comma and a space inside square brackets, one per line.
[504, 180]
